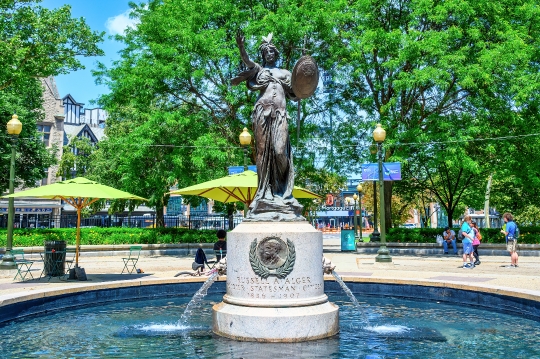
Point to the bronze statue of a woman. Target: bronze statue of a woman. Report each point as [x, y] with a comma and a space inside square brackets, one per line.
[273, 200]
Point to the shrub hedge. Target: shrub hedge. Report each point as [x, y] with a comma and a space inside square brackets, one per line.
[527, 235]
[112, 235]
[121, 235]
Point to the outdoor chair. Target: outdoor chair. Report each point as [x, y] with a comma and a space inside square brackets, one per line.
[23, 265]
[70, 259]
[131, 261]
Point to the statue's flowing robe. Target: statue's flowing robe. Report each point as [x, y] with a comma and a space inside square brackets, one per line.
[273, 200]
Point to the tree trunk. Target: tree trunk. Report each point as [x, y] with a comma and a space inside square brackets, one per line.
[450, 212]
[160, 218]
[487, 223]
[388, 204]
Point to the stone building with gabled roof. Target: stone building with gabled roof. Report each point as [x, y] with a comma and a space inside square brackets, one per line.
[64, 119]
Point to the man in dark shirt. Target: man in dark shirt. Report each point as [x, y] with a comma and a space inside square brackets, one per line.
[221, 245]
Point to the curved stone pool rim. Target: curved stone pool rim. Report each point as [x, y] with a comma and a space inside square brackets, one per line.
[522, 303]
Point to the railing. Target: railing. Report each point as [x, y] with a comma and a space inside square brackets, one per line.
[146, 221]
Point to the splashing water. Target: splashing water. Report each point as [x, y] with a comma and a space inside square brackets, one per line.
[182, 326]
[346, 290]
[192, 305]
[198, 298]
[351, 296]
[388, 329]
[380, 329]
[162, 328]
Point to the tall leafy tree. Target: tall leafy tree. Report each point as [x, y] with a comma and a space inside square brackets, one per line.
[172, 107]
[429, 71]
[76, 158]
[34, 43]
[38, 42]
[416, 65]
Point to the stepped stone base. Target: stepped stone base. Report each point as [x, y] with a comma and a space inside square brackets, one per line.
[296, 324]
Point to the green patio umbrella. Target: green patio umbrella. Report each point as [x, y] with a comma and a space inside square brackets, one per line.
[238, 187]
[78, 192]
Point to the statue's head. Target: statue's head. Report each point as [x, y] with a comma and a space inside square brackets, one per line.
[269, 52]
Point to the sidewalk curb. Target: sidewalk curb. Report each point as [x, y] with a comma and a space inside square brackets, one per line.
[187, 249]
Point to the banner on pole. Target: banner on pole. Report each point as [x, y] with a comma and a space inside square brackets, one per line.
[391, 171]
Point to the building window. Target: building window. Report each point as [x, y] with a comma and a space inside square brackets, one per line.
[45, 132]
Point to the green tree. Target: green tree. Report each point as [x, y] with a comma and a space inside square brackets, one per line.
[76, 158]
[429, 71]
[415, 66]
[38, 42]
[34, 43]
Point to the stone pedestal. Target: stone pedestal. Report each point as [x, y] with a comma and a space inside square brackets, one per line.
[275, 286]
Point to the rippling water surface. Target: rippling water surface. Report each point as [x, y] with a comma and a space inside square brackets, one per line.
[393, 328]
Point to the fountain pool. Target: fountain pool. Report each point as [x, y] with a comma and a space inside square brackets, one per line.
[388, 328]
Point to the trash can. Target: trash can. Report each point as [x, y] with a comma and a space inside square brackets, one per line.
[55, 258]
[348, 242]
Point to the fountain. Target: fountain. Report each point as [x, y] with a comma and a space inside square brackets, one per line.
[275, 286]
[274, 302]
[280, 299]
[149, 329]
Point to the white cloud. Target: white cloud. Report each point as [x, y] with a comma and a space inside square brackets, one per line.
[119, 23]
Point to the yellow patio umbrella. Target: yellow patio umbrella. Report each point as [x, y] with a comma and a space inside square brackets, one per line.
[239, 187]
[78, 192]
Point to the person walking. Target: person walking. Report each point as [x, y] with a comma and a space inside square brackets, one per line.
[476, 243]
[467, 232]
[449, 237]
[511, 240]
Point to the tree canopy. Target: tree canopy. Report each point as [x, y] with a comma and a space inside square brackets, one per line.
[443, 78]
[34, 43]
[38, 42]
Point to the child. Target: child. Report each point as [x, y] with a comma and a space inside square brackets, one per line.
[476, 242]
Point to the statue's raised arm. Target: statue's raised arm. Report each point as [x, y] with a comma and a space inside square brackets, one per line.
[240, 40]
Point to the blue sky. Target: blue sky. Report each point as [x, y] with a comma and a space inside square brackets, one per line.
[110, 16]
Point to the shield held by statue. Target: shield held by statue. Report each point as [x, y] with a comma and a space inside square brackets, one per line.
[305, 77]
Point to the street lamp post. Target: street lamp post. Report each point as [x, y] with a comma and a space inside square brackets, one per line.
[14, 128]
[245, 141]
[355, 198]
[360, 192]
[382, 254]
[327, 83]
[375, 236]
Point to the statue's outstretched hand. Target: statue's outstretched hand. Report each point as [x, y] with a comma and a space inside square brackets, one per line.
[240, 39]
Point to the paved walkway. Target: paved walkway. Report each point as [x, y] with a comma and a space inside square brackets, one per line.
[491, 276]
